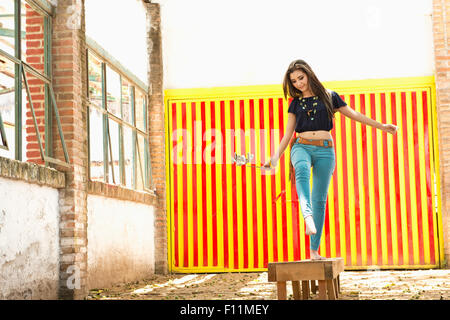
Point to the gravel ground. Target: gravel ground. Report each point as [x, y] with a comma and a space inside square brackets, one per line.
[355, 285]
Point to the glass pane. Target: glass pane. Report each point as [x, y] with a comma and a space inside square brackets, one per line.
[140, 163]
[114, 135]
[113, 91]
[95, 80]
[128, 155]
[97, 171]
[139, 106]
[32, 36]
[7, 26]
[9, 131]
[7, 91]
[126, 101]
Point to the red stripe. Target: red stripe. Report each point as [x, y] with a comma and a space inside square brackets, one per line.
[376, 182]
[213, 183]
[386, 181]
[263, 184]
[429, 184]
[366, 183]
[194, 187]
[175, 183]
[272, 184]
[336, 203]
[417, 172]
[233, 189]
[185, 188]
[205, 217]
[283, 182]
[244, 183]
[224, 186]
[254, 190]
[407, 184]
[356, 188]
[397, 183]
[345, 193]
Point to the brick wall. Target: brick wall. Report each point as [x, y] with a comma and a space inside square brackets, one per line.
[34, 44]
[157, 133]
[441, 35]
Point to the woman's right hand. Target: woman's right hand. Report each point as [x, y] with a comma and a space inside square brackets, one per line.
[270, 164]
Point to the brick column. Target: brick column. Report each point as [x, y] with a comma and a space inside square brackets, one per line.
[441, 36]
[157, 133]
[69, 74]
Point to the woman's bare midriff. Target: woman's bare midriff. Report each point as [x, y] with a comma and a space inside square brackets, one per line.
[316, 135]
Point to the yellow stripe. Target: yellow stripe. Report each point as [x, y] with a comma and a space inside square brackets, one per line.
[370, 170]
[217, 166]
[361, 189]
[229, 180]
[249, 186]
[276, 121]
[392, 183]
[200, 196]
[351, 191]
[412, 178]
[382, 192]
[208, 196]
[189, 178]
[401, 153]
[258, 190]
[267, 177]
[421, 162]
[437, 222]
[340, 187]
[331, 218]
[239, 186]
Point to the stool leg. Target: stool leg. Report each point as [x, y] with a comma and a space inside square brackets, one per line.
[281, 290]
[330, 289]
[313, 286]
[322, 290]
[339, 283]
[296, 290]
[336, 287]
[305, 290]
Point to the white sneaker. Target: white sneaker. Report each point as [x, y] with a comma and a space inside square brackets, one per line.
[310, 226]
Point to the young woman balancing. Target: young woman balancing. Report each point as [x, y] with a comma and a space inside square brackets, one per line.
[310, 115]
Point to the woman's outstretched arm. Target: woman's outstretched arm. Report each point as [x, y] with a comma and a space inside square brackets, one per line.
[355, 115]
[290, 127]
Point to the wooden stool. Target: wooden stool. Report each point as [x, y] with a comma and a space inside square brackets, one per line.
[326, 272]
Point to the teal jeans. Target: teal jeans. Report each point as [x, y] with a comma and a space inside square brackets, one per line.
[322, 161]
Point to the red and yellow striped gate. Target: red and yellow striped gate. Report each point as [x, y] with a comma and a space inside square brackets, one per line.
[383, 208]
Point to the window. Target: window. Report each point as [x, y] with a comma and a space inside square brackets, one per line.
[27, 102]
[118, 131]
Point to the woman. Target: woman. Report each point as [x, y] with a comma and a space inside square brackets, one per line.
[310, 115]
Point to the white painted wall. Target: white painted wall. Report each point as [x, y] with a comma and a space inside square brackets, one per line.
[120, 241]
[29, 241]
[210, 43]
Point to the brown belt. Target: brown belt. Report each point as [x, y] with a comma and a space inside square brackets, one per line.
[327, 143]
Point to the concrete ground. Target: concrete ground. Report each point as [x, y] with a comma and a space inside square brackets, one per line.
[355, 285]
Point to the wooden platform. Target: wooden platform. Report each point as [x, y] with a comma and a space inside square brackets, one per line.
[325, 272]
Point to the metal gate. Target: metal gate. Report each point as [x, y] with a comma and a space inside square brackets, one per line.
[383, 208]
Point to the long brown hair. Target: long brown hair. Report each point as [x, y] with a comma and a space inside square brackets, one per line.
[316, 86]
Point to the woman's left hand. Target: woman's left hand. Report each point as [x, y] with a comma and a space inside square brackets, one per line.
[389, 128]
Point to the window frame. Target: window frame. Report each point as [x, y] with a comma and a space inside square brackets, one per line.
[108, 62]
[20, 69]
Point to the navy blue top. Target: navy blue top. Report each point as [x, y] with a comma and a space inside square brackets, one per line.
[311, 113]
